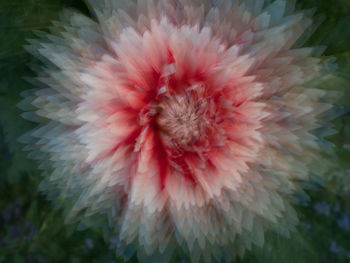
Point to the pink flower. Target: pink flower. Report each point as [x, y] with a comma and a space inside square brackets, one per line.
[186, 123]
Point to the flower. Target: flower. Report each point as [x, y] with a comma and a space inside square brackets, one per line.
[188, 124]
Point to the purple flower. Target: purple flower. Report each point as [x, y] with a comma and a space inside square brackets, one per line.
[322, 208]
[344, 222]
[16, 226]
[348, 254]
[89, 243]
[334, 248]
[12, 211]
[336, 207]
[305, 226]
[114, 242]
[33, 258]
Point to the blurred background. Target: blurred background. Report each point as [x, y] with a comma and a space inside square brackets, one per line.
[32, 231]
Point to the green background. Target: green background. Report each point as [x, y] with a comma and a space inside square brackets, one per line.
[32, 231]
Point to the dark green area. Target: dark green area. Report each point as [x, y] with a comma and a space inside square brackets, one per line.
[32, 231]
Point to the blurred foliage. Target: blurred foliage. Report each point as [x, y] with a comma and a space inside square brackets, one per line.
[32, 231]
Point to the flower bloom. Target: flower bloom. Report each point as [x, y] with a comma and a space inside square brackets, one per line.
[186, 123]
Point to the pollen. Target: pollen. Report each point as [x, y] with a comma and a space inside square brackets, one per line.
[183, 119]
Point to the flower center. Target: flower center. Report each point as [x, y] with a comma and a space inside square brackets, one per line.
[183, 119]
